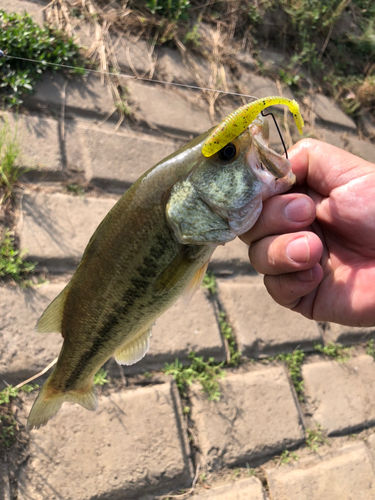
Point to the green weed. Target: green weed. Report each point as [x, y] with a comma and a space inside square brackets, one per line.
[75, 189]
[236, 473]
[227, 332]
[250, 470]
[172, 9]
[8, 423]
[207, 373]
[12, 263]
[286, 457]
[289, 78]
[9, 152]
[335, 351]
[316, 437]
[294, 362]
[193, 36]
[21, 37]
[209, 282]
[203, 477]
[370, 348]
[100, 377]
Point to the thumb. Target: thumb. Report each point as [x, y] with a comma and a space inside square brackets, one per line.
[324, 167]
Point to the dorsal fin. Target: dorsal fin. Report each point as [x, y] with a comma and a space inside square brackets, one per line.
[51, 320]
[135, 349]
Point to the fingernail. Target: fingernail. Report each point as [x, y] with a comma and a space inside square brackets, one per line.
[305, 276]
[298, 210]
[298, 250]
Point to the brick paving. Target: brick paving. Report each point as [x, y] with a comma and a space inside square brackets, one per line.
[103, 454]
[263, 328]
[256, 416]
[342, 394]
[346, 475]
[146, 439]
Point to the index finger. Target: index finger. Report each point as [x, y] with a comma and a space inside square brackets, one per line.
[324, 167]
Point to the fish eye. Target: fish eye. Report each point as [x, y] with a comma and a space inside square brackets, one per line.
[227, 152]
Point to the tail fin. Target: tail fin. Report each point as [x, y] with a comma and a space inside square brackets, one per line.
[48, 403]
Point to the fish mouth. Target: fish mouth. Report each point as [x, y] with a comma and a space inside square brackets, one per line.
[277, 165]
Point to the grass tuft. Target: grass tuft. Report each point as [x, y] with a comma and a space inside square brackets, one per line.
[294, 362]
[12, 263]
[21, 37]
[207, 373]
[75, 189]
[287, 457]
[9, 152]
[227, 332]
[370, 348]
[316, 437]
[335, 351]
[100, 377]
[209, 282]
[8, 423]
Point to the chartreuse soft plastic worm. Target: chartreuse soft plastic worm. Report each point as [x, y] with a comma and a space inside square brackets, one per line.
[235, 123]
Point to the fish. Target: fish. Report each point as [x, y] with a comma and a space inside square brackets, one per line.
[152, 247]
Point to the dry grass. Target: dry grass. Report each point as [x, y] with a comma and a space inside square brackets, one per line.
[366, 93]
[216, 31]
[102, 26]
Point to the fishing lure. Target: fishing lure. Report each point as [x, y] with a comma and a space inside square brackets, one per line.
[235, 123]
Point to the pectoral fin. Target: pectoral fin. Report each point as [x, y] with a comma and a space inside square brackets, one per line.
[195, 283]
[172, 274]
[51, 320]
[135, 349]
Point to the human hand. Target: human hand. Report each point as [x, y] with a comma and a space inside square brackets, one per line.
[316, 245]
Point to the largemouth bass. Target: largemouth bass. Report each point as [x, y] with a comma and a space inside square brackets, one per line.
[153, 246]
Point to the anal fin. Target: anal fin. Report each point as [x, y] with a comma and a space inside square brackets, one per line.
[135, 349]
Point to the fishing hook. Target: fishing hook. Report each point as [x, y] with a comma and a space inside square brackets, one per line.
[277, 127]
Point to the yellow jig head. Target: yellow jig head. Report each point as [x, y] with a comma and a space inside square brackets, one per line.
[235, 123]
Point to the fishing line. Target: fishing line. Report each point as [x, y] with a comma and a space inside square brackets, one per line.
[150, 80]
[124, 75]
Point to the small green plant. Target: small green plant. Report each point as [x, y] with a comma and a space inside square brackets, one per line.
[236, 473]
[100, 377]
[286, 457]
[186, 410]
[193, 36]
[294, 362]
[335, 351]
[209, 282]
[8, 423]
[316, 437]
[207, 373]
[75, 189]
[227, 333]
[172, 9]
[370, 348]
[289, 78]
[9, 152]
[12, 263]
[21, 37]
[250, 470]
[203, 477]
